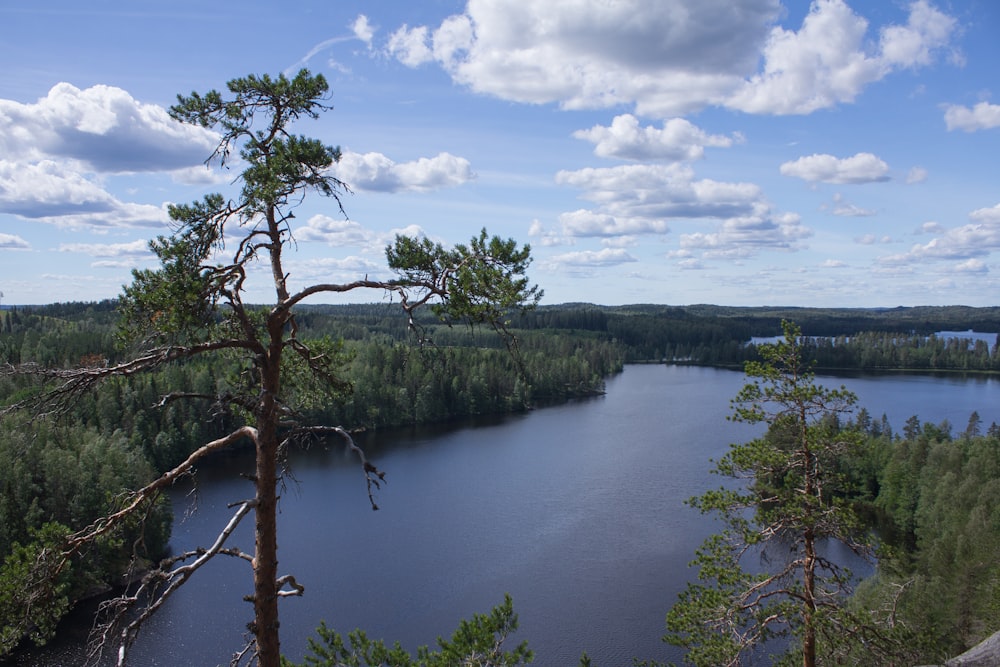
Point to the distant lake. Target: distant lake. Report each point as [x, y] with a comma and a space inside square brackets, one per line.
[970, 336]
[576, 510]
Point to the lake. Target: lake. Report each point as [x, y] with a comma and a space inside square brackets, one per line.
[576, 510]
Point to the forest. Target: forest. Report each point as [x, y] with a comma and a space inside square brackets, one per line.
[930, 492]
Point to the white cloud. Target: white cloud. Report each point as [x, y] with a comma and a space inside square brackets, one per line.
[848, 210]
[138, 248]
[50, 192]
[56, 151]
[833, 264]
[983, 116]
[589, 223]
[336, 232]
[826, 63]
[859, 168]
[679, 139]
[745, 236]
[916, 175]
[671, 57]
[926, 31]
[363, 30]
[971, 266]
[959, 243]
[48, 188]
[991, 214]
[376, 172]
[591, 259]
[410, 46]
[844, 208]
[13, 242]
[338, 270]
[661, 192]
[667, 57]
[640, 199]
[103, 128]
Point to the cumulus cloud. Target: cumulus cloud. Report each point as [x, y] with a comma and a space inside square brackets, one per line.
[56, 150]
[377, 173]
[585, 259]
[657, 192]
[966, 242]
[338, 270]
[53, 192]
[410, 45]
[590, 223]
[636, 200]
[13, 242]
[990, 215]
[746, 236]
[826, 62]
[138, 249]
[844, 208]
[668, 56]
[927, 30]
[363, 30]
[673, 56]
[48, 188]
[971, 266]
[859, 168]
[679, 139]
[336, 232]
[103, 128]
[983, 116]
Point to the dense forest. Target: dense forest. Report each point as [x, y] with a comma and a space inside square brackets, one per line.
[932, 494]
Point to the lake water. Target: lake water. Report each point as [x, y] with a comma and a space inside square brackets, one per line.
[576, 510]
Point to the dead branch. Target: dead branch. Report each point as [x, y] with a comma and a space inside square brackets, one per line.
[374, 478]
[136, 499]
[149, 590]
[75, 382]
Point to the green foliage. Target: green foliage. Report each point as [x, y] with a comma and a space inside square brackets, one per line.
[35, 586]
[483, 280]
[477, 642]
[939, 574]
[175, 303]
[782, 507]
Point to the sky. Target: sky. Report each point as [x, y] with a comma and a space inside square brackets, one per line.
[839, 153]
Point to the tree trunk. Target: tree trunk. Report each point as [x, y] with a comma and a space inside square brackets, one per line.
[265, 575]
[809, 618]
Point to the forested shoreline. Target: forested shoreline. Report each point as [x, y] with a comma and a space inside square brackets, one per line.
[60, 475]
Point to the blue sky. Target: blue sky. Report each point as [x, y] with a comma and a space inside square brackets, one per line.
[737, 152]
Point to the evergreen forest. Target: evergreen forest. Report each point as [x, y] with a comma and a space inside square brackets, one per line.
[930, 491]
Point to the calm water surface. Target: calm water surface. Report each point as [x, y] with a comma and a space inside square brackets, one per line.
[576, 510]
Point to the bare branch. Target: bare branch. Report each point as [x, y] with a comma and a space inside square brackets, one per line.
[151, 583]
[135, 500]
[374, 478]
[77, 381]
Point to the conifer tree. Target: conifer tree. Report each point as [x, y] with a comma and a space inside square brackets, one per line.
[765, 576]
[193, 304]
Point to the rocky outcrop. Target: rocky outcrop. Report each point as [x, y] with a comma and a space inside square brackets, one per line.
[984, 654]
